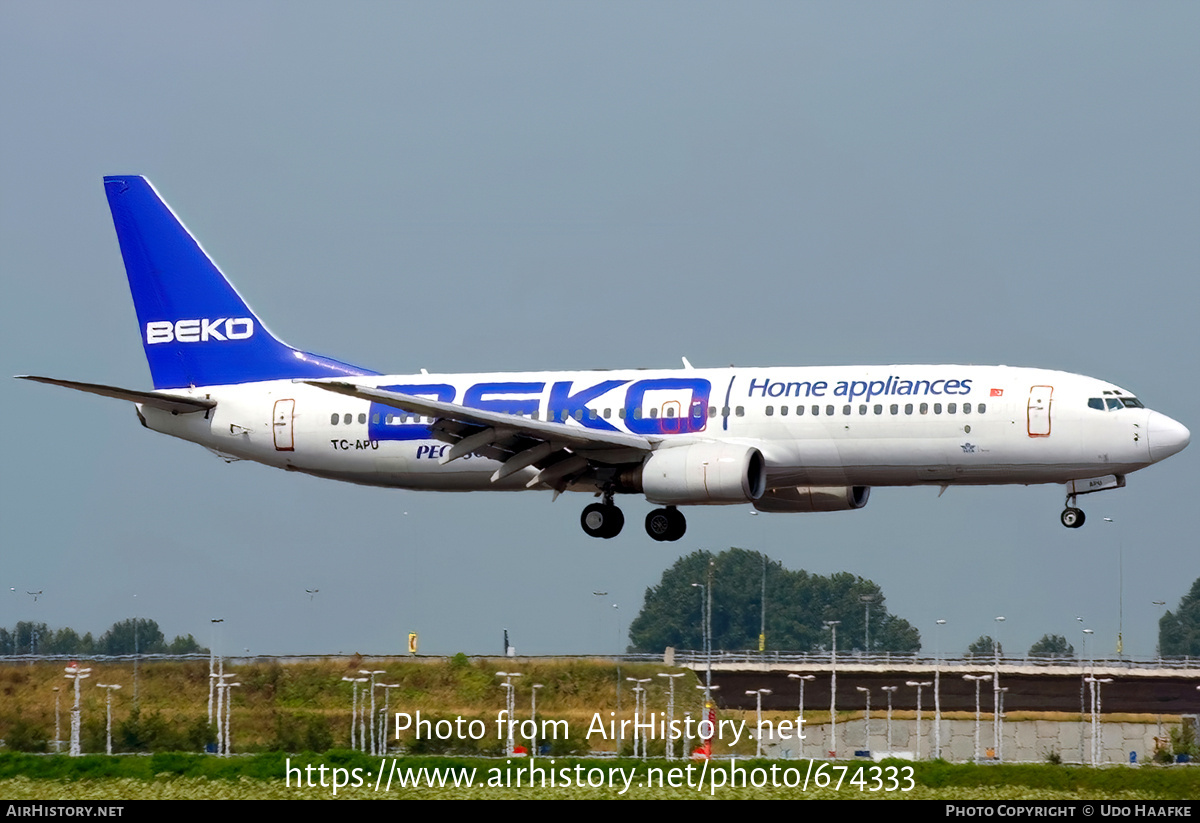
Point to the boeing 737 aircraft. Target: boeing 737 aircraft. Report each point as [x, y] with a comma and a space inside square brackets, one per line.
[781, 439]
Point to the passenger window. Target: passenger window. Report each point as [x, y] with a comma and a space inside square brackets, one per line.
[770, 411]
[966, 408]
[952, 408]
[591, 414]
[712, 411]
[348, 419]
[799, 410]
[937, 408]
[924, 408]
[895, 408]
[724, 411]
[980, 408]
[816, 410]
[637, 413]
[829, 410]
[740, 411]
[333, 421]
[375, 418]
[846, 409]
[783, 411]
[535, 414]
[362, 418]
[908, 408]
[878, 408]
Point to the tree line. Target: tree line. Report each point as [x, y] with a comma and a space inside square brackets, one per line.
[133, 636]
[798, 604]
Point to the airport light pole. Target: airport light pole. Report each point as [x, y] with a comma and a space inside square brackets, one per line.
[919, 685]
[996, 689]
[1000, 721]
[76, 673]
[57, 725]
[1120, 591]
[108, 687]
[510, 707]
[801, 678]
[228, 711]
[387, 694]
[1083, 687]
[670, 752]
[218, 681]
[371, 675]
[710, 715]
[758, 693]
[533, 749]
[212, 664]
[866, 717]
[1097, 745]
[890, 690]
[866, 600]
[354, 708]
[977, 678]
[937, 691]
[639, 708]
[832, 626]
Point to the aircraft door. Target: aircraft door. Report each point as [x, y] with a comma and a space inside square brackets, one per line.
[281, 424]
[1038, 415]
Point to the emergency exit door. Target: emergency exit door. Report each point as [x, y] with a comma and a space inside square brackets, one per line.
[1038, 415]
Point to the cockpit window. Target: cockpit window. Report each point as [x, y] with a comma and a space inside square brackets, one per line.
[1114, 403]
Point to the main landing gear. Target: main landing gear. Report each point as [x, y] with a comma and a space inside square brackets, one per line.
[605, 520]
[602, 520]
[1072, 517]
[665, 524]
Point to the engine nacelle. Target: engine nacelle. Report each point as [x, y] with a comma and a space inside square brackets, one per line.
[700, 474]
[796, 499]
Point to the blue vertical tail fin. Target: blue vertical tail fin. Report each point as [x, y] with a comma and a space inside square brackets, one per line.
[196, 329]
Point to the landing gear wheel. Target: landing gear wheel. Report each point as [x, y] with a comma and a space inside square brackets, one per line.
[1072, 518]
[666, 524]
[602, 520]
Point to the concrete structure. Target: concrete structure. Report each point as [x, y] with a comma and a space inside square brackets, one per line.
[1025, 741]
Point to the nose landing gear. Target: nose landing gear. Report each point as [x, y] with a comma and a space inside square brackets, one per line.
[1071, 516]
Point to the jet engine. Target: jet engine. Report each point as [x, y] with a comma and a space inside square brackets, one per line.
[700, 474]
[795, 499]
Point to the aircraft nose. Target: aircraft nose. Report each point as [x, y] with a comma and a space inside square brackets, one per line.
[1166, 436]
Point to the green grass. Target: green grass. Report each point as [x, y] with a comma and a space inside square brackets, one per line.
[167, 776]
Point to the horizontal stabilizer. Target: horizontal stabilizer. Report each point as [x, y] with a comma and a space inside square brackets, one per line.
[156, 400]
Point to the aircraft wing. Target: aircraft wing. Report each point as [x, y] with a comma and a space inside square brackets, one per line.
[154, 399]
[564, 453]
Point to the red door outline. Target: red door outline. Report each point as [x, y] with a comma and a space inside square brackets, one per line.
[281, 425]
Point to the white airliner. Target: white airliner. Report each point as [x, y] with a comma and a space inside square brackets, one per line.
[781, 439]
